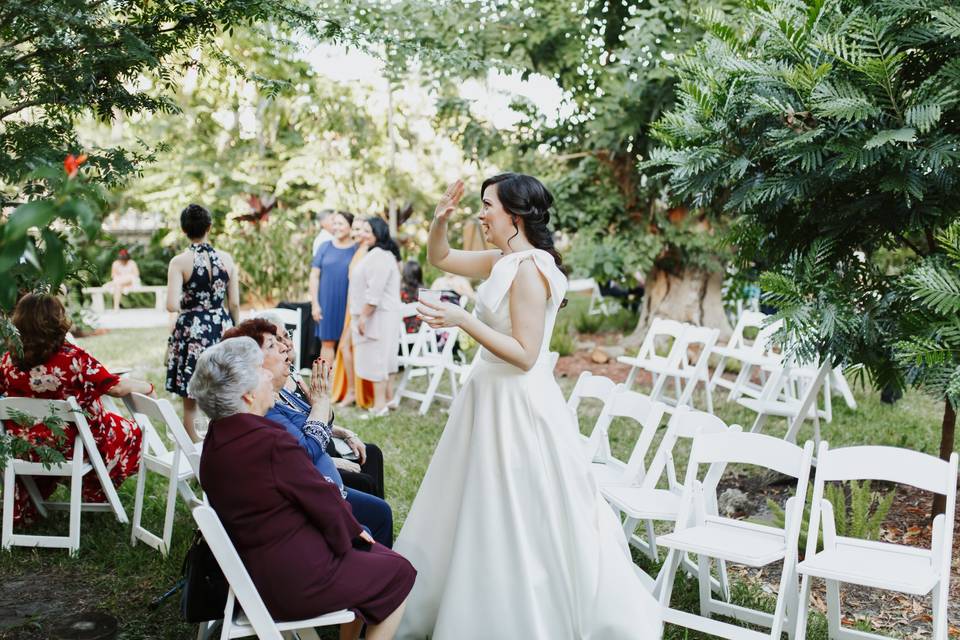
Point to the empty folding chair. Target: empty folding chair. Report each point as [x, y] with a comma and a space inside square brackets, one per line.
[648, 503]
[752, 355]
[407, 340]
[623, 404]
[780, 399]
[682, 369]
[172, 464]
[659, 331]
[701, 531]
[245, 614]
[590, 387]
[86, 459]
[879, 565]
[428, 358]
[597, 303]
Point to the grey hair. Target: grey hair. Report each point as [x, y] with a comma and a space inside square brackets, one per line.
[225, 372]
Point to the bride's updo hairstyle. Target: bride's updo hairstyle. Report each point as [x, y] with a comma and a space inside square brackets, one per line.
[525, 197]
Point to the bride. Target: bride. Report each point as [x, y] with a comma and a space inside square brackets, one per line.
[508, 532]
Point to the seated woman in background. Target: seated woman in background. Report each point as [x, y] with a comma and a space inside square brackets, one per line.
[296, 535]
[51, 368]
[124, 274]
[364, 470]
[312, 426]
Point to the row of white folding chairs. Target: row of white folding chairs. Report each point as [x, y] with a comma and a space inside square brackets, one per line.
[701, 531]
[245, 613]
[790, 390]
[630, 487]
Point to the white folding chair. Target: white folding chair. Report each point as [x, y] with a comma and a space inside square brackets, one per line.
[648, 503]
[751, 355]
[647, 357]
[293, 324]
[701, 531]
[86, 459]
[597, 303]
[623, 403]
[251, 617]
[589, 387]
[428, 358]
[407, 340]
[781, 398]
[879, 565]
[171, 464]
[682, 369]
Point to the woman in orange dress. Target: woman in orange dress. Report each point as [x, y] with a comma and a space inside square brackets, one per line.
[347, 387]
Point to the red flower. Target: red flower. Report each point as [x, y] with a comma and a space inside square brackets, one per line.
[71, 164]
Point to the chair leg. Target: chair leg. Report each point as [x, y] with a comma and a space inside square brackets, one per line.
[786, 598]
[803, 606]
[435, 377]
[664, 584]
[35, 496]
[9, 482]
[940, 596]
[724, 580]
[833, 608]
[76, 491]
[703, 581]
[758, 423]
[652, 542]
[170, 511]
[138, 500]
[631, 377]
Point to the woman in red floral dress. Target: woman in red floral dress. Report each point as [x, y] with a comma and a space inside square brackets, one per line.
[51, 368]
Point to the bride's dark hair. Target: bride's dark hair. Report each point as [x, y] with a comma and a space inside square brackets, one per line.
[525, 197]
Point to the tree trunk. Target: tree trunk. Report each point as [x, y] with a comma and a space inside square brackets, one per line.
[947, 433]
[692, 296]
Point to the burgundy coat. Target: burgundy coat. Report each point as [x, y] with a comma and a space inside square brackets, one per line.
[292, 529]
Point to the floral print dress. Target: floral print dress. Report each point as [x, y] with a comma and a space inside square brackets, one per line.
[71, 371]
[203, 317]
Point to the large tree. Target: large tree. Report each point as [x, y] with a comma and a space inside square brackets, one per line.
[614, 61]
[830, 130]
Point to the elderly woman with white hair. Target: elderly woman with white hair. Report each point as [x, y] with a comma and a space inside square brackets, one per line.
[296, 535]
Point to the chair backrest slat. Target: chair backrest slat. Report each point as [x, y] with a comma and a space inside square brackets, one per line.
[749, 448]
[161, 412]
[888, 464]
[684, 423]
[59, 409]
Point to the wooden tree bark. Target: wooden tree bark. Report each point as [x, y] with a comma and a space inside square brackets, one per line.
[947, 434]
[692, 296]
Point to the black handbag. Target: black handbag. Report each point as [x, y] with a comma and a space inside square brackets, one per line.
[204, 585]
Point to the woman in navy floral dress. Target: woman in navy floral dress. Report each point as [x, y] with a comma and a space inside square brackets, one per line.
[201, 285]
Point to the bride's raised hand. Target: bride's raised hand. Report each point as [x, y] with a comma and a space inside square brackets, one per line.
[449, 201]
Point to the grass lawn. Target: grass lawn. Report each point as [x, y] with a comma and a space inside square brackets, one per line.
[40, 586]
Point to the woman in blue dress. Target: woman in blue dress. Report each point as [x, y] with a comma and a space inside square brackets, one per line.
[329, 279]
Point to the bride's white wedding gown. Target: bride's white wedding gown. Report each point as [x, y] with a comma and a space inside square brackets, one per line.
[509, 533]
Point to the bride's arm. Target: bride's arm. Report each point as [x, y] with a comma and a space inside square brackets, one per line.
[528, 306]
[472, 264]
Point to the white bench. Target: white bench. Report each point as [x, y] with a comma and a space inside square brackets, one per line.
[96, 295]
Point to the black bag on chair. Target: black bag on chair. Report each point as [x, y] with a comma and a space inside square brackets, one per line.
[204, 585]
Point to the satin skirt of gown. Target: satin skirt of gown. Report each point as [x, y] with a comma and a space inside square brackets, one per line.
[509, 533]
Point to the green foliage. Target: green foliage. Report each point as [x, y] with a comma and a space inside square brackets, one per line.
[828, 129]
[868, 509]
[563, 341]
[278, 270]
[929, 348]
[40, 240]
[15, 447]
